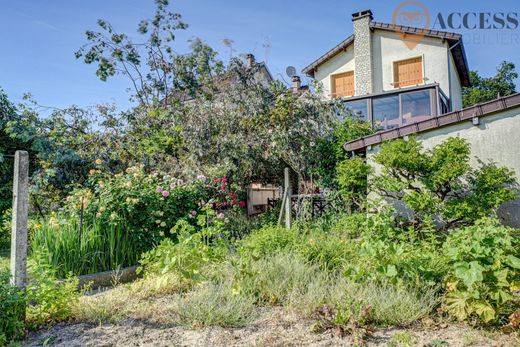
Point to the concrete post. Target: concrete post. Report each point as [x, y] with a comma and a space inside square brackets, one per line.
[19, 220]
[288, 197]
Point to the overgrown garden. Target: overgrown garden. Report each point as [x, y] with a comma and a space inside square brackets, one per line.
[163, 185]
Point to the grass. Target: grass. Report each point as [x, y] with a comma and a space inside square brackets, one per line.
[61, 244]
[232, 292]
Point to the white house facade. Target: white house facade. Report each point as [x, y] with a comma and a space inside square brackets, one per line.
[385, 81]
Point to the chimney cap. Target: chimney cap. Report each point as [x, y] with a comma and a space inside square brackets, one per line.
[361, 14]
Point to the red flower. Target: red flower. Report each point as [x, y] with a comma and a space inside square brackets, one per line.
[234, 201]
[233, 196]
[223, 186]
[242, 204]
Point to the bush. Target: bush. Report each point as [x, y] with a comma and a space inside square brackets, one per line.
[390, 304]
[215, 304]
[12, 311]
[50, 301]
[484, 272]
[435, 184]
[270, 239]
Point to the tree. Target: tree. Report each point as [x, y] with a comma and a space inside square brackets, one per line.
[437, 184]
[153, 67]
[489, 88]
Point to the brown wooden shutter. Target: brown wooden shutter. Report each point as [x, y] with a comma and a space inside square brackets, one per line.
[343, 84]
[408, 72]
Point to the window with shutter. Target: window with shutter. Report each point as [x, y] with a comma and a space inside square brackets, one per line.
[408, 72]
[342, 84]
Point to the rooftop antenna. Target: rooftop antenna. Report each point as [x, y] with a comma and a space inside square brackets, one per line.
[267, 46]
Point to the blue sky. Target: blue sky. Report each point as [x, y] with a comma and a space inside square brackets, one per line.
[39, 38]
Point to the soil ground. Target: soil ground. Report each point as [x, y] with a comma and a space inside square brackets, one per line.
[275, 328]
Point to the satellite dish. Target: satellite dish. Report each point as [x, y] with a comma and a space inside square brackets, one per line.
[290, 71]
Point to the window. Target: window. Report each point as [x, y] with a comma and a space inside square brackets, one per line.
[358, 108]
[385, 112]
[408, 72]
[416, 106]
[342, 84]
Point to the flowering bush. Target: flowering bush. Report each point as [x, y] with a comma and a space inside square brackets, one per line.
[149, 205]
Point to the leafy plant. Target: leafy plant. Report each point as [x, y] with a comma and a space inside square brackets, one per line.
[484, 272]
[439, 183]
[12, 310]
[49, 300]
[341, 322]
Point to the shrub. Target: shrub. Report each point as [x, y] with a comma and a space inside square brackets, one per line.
[50, 301]
[270, 240]
[390, 304]
[484, 271]
[193, 250]
[147, 205]
[12, 310]
[439, 183]
[215, 304]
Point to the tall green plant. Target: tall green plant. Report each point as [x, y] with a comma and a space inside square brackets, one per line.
[484, 271]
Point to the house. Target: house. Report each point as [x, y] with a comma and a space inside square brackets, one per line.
[387, 83]
[415, 90]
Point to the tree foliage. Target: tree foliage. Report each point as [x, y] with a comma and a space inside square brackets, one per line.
[489, 88]
[436, 184]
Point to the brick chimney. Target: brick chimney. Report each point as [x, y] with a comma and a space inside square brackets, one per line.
[296, 83]
[250, 60]
[362, 52]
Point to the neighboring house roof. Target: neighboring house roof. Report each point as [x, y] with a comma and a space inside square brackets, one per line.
[479, 110]
[454, 41]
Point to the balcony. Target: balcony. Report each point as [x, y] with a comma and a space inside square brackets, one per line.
[392, 109]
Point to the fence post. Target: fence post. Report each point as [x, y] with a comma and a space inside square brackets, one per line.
[288, 197]
[19, 220]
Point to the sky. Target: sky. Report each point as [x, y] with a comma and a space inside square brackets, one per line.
[39, 38]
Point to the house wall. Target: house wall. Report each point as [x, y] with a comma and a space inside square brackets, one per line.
[495, 139]
[456, 86]
[342, 62]
[388, 47]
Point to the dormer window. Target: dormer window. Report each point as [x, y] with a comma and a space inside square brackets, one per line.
[408, 72]
[342, 84]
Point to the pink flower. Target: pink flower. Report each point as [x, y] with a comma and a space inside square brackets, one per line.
[220, 215]
[159, 190]
[223, 186]
[217, 180]
[166, 193]
[242, 204]
[224, 180]
[210, 204]
[234, 201]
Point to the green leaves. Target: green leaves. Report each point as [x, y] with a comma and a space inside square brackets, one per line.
[484, 267]
[440, 182]
[513, 261]
[469, 273]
